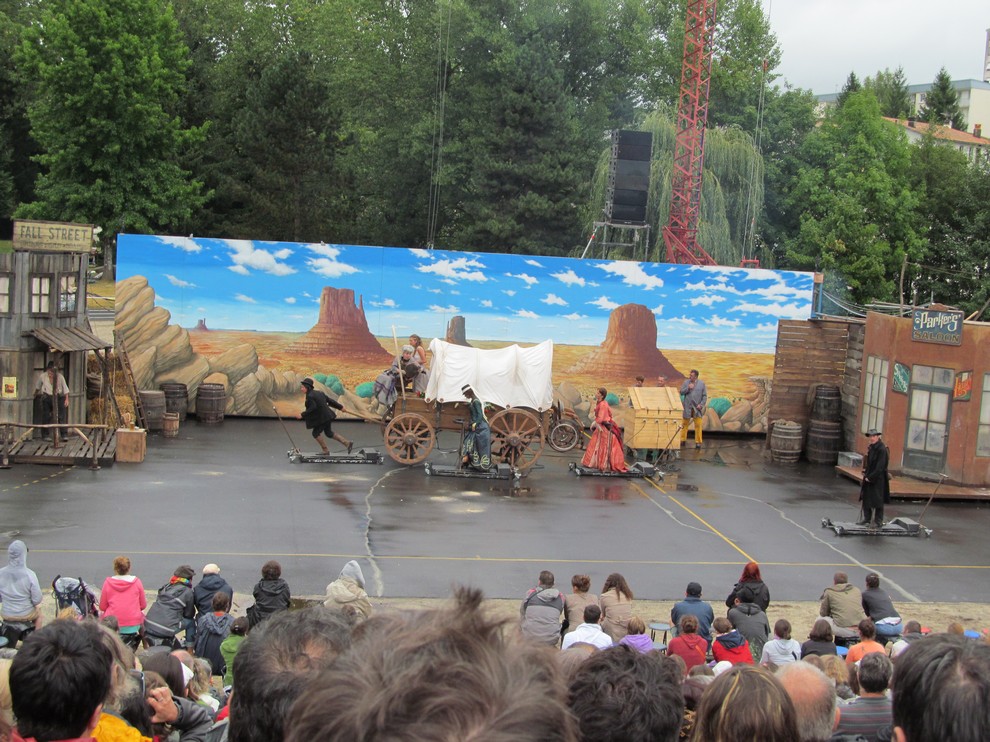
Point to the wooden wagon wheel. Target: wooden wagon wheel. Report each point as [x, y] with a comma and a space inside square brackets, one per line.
[517, 438]
[409, 438]
[564, 436]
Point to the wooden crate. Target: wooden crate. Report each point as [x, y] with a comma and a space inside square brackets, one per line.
[657, 416]
[131, 445]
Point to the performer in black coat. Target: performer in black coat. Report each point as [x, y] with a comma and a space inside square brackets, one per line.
[319, 416]
[876, 486]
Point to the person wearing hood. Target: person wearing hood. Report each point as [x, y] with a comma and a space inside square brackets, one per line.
[319, 416]
[753, 580]
[750, 621]
[346, 594]
[541, 610]
[842, 606]
[729, 645]
[271, 594]
[123, 598]
[637, 638]
[211, 630]
[173, 604]
[20, 592]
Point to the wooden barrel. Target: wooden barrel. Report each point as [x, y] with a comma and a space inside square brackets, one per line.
[170, 424]
[824, 438]
[828, 404]
[176, 398]
[786, 441]
[211, 400]
[153, 403]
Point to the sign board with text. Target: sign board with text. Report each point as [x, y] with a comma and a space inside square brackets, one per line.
[937, 326]
[52, 236]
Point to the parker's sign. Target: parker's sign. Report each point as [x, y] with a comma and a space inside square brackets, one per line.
[937, 326]
[52, 236]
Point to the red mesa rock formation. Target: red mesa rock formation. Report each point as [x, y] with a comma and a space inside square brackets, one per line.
[456, 333]
[341, 330]
[630, 349]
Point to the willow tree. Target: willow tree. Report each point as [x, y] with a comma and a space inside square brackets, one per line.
[731, 194]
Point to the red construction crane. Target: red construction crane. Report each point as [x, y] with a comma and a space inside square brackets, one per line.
[681, 233]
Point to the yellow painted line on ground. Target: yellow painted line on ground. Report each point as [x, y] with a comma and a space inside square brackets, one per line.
[707, 525]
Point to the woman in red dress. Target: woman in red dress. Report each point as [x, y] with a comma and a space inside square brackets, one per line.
[605, 451]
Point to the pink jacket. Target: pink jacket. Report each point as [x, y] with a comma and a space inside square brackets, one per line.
[123, 596]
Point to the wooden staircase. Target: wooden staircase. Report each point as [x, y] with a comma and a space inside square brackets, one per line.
[132, 390]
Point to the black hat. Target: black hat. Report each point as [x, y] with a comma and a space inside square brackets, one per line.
[694, 589]
[185, 572]
[872, 432]
[307, 382]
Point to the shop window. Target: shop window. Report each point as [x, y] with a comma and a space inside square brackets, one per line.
[983, 432]
[41, 294]
[875, 393]
[68, 291]
[6, 281]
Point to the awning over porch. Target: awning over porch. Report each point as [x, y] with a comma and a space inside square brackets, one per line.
[69, 339]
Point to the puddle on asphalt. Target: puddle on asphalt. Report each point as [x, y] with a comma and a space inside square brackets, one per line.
[612, 494]
[681, 487]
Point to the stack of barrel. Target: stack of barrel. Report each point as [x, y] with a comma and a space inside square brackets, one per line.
[825, 428]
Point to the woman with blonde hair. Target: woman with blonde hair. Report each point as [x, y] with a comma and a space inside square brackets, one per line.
[123, 597]
[616, 603]
[743, 704]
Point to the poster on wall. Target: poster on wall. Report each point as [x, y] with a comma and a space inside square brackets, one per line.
[962, 390]
[902, 377]
[259, 316]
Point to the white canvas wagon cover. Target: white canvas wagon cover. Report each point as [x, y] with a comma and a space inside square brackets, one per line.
[507, 377]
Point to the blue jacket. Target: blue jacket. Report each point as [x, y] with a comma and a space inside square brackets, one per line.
[699, 609]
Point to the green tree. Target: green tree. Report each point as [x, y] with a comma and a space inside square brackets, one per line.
[851, 86]
[17, 170]
[941, 104]
[106, 79]
[890, 89]
[855, 204]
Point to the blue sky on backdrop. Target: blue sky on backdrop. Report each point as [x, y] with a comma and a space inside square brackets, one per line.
[276, 286]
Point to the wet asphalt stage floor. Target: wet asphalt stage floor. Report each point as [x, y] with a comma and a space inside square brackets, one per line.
[229, 494]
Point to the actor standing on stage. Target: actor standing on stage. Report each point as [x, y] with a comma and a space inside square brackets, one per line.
[605, 451]
[876, 486]
[53, 393]
[478, 442]
[319, 416]
[694, 394]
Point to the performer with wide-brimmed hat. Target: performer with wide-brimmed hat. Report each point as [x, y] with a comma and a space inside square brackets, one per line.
[876, 485]
[319, 415]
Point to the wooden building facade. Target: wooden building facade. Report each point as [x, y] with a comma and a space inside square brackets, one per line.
[43, 317]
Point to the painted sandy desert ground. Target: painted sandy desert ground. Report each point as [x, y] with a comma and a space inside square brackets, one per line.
[726, 374]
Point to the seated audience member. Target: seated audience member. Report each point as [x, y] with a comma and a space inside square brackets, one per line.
[688, 645]
[912, 633]
[842, 606]
[880, 609]
[867, 642]
[871, 712]
[745, 703]
[212, 629]
[211, 584]
[750, 621]
[347, 591]
[616, 602]
[231, 645]
[271, 594]
[445, 674]
[820, 642]
[695, 606]
[589, 631]
[814, 660]
[753, 581]
[836, 669]
[942, 684]
[199, 689]
[174, 605]
[122, 599]
[813, 695]
[571, 659]
[576, 600]
[276, 663]
[637, 638]
[540, 611]
[729, 645]
[58, 681]
[781, 649]
[169, 667]
[621, 695]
